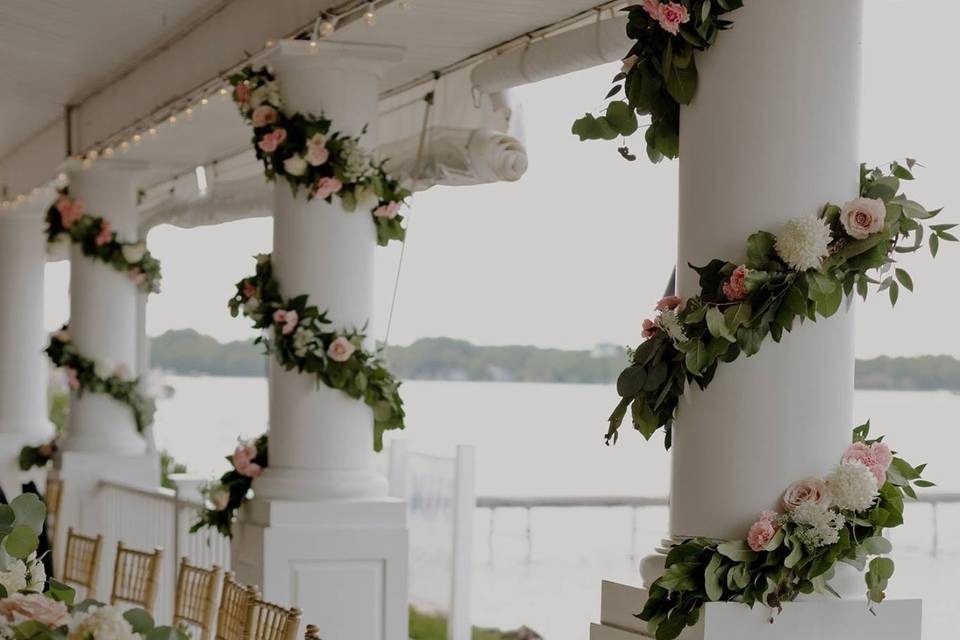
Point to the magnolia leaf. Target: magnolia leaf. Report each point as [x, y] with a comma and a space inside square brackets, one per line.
[760, 249]
[622, 118]
[877, 545]
[30, 511]
[140, 620]
[21, 542]
[711, 578]
[696, 358]
[717, 325]
[682, 82]
[737, 550]
[905, 279]
[882, 568]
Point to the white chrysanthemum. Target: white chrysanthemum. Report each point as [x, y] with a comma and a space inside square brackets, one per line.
[357, 162]
[803, 243]
[102, 623]
[671, 325]
[821, 525]
[852, 486]
[103, 369]
[15, 578]
[302, 339]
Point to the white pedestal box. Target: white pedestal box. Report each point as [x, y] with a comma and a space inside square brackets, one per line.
[342, 562]
[818, 618]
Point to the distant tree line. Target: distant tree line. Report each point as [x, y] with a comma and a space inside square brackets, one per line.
[187, 352]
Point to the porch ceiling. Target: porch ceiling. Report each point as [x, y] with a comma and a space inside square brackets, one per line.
[121, 68]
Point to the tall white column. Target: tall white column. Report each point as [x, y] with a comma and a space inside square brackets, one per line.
[772, 134]
[23, 366]
[321, 534]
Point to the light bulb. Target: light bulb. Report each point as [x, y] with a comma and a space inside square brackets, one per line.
[327, 27]
[270, 44]
[313, 46]
[189, 111]
[223, 91]
[370, 14]
[172, 119]
[108, 151]
[204, 102]
[152, 131]
[124, 145]
[137, 138]
[93, 155]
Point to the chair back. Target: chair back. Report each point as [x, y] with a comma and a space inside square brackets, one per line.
[312, 633]
[195, 602]
[235, 602]
[268, 621]
[136, 575]
[52, 500]
[81, 562]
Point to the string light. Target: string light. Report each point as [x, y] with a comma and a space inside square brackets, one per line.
[370, 14]
[188, 111]
[124, 145]
[137, 138]
[223, 91]
[270, 44]
[172, 119]
[328, 26]
[152, 131]
[93, 155]
[204, 102]
[108, 152]
[404, 4]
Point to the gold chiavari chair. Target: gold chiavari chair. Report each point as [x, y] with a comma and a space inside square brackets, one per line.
[52, 500]
[312, 633]
[268, 621]
[235, 603]
[196, 598]
[81, 562]
[136, 575]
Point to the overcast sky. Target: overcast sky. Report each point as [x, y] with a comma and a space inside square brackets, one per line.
[566, 257]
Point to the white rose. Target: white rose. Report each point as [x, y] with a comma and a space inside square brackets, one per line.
[367, 198]
[133, 253]
[295, 165]
[15, 578]
[104, 369]
[863, 217]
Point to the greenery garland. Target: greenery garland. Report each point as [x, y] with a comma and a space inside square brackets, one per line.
[67, 218]
[302, 149]
[298, 335]
[802, 273]
[38, 456]
[224, 498]
[659, 72]
[841, 518]
[85, 375]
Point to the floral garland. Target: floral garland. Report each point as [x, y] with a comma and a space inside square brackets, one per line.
[839, 518]
[303, 150]
[85, 375]
[67, 217]
[801, 273]
[224, 498]
[35, 607]
[38, 456]
[659, 72]
[296, 333]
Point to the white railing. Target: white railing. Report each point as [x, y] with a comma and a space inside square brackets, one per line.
[145, 518]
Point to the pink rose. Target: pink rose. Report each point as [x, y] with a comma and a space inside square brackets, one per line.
[248, 469]
[649, 328]
[809, 490]
[762, 531]
[863, 217]
[736, 289]
[249, 290]
[668, 303]
[73, 380]
[326, 187]
[137, 276]
[272, 140]
[288, 319]
[21, 607]
[70, 211]
[104, 236]
[244, 452]
[242, 93]
[671, 16]
[264, 115]
[340, 349]
[317, 152]
[876, 457]
[652, 7]
[388, 211]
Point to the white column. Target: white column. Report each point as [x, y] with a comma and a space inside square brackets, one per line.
[23, 366]
[321, 533]
[321, 441]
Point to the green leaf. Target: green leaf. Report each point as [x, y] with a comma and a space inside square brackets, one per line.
[711, 578]
[737, 550]
[760, 249]
[166, 633]
[591, 128]
[21, 542]
[631, 381]
[894, 292]
[882, 567]
[682, 83]
[796, 554]
[61, 592]
[905, 279]
[717, 325]
[622, 118]
[696, 359]
[29, 510]
[679, 577]
[140, 620]
[877, 545]
[934, 245]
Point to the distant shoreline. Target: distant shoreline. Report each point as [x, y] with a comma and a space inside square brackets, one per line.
[189, 353]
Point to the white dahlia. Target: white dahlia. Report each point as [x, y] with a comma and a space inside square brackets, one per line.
[821, 525]
[102, 623]
[803, 243]
[852, 486]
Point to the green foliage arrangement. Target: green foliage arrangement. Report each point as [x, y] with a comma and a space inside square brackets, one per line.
[225, 497]
[300, 338]
[67, 218]
[793, 553]
[778, 287]
[305, 151]
[85, 375]
[659, 72]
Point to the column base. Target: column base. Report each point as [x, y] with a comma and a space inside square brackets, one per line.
[310, 485]
[342, 562]
[801, 620]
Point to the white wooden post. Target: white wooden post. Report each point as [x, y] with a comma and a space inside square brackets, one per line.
[459, 622]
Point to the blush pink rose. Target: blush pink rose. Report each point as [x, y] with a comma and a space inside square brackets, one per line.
[762, 531]
[272, 140]
[876, 457]
[326, 187]
[248, 469]
[264, 115]
[70, 211]
[649, 328]
[288, 319]
[736, 289]
[668, 303]
[242, 93]
[652, 7]
[73, 380]
[671, 16]
[388, 211]
[340, 349]
[137, 276]
[21, 607]
[244, 452]
[249, 290]
[104, 236]
[882, 454]
[317, 153]
[809, 490]
[863, 217]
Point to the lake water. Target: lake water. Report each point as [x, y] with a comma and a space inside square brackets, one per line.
[546, 439]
